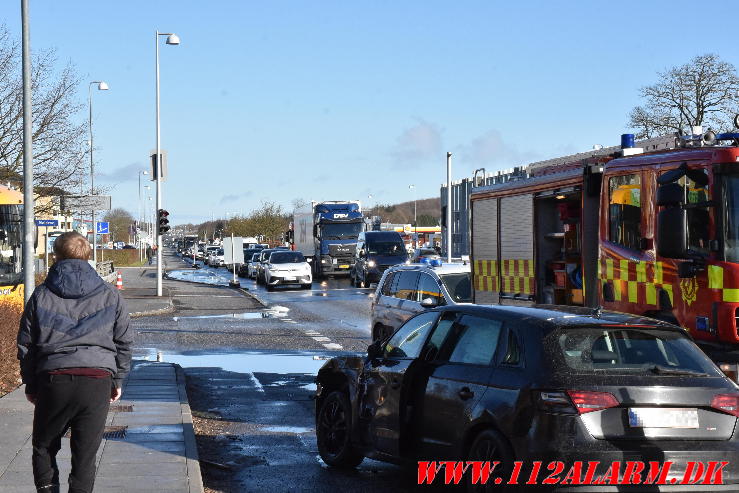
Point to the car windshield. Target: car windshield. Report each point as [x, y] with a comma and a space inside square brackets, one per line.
[459, 286]
[286, 258]
[255, 257]
[628, 350]
[386, 248]
[220, 251]
[338, 231]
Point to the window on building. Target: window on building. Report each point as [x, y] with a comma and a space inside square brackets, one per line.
[624, 199]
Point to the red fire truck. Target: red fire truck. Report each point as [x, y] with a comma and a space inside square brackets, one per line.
[650, 228]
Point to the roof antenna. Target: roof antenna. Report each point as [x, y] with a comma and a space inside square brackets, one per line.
[597, 311]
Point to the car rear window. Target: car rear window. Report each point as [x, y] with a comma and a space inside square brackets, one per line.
[626, 350]
[459, 286]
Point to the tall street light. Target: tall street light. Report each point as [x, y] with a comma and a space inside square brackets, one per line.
[138, 219]
[102, 86]
[172, 39]
[415, 217]
[29, 278]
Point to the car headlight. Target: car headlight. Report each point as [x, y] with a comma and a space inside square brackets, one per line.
[371, 263]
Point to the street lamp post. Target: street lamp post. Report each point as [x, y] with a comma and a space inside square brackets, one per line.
[172, 39]
[29, 279]
[102, 86]
[415, 217]
[138, 220]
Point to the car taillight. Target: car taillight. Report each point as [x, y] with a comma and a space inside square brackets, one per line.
[728, 403]
[586, 402]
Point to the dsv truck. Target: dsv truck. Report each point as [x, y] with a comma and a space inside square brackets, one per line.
[327, 235]
[650, 228]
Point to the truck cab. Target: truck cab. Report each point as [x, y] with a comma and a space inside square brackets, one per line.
[327, 235]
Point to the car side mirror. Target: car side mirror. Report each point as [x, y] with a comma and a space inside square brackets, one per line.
[362, 254]
[374, 350]
[429, 303]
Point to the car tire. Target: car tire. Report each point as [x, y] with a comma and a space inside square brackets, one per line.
[307, 286]
[490, 445]
[333, 432]
[270, 288]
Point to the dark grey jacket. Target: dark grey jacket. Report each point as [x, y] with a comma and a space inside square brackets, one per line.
[74, 320]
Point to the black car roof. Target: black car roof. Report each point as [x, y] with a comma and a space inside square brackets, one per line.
[554, 316]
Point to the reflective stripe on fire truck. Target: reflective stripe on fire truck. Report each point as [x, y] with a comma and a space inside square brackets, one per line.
[486, 275]
[716, 281]
[632, 284]
[517, 276]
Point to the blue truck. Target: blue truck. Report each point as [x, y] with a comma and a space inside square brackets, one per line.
[327, 235]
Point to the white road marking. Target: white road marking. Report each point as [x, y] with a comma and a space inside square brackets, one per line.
[321, 339]
[333, 345]
[257, 383]
[312, 333]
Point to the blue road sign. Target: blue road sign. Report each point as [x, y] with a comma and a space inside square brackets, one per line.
[102, 228]
[49, 223]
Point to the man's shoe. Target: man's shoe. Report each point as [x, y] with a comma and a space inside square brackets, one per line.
[49, 488]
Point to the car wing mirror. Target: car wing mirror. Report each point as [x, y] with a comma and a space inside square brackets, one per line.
[428, 303]
[374, 350]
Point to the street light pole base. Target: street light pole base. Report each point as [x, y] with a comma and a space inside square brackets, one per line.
[234, 284]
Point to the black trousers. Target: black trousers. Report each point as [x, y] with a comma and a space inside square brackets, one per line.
[64, 402]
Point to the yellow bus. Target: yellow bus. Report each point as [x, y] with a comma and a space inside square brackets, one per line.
[11, 245]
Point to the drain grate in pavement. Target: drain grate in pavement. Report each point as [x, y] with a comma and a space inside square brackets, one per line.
[109, 433]
[115, 432]
[121, 408]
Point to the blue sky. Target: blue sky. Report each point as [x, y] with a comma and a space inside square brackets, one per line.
[331, 100]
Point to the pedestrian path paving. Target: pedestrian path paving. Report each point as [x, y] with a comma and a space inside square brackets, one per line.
[149, 443]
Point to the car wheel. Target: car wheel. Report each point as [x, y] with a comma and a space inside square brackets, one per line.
[307, 286]
[333, 432]
[490, 445]
[270, 287]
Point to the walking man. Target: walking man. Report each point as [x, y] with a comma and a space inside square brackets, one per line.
[74, 348]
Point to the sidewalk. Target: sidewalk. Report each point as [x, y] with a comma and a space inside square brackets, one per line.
[149, 443]
[139, 288]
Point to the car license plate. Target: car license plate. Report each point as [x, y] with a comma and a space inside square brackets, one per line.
[345, 266]
[290, 278]
[655, 417]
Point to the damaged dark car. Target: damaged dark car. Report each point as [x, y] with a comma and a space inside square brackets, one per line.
[548, 384]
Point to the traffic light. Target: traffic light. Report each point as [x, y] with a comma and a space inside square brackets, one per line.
[162, 221]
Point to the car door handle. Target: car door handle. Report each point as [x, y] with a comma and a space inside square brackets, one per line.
[465, 394]
[395, 384]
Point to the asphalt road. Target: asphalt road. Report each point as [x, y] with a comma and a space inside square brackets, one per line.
[250, 363]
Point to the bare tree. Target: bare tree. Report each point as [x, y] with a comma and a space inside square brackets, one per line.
[701, 92]
[59, 139]
[120, 222]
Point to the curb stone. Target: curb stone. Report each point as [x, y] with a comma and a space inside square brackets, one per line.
[195, 479]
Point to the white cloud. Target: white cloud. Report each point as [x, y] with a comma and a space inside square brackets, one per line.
[234, 197]
[490, 149]
[418, 143]
[128, 172]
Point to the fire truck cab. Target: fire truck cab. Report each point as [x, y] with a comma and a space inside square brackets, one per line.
[649, 229]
